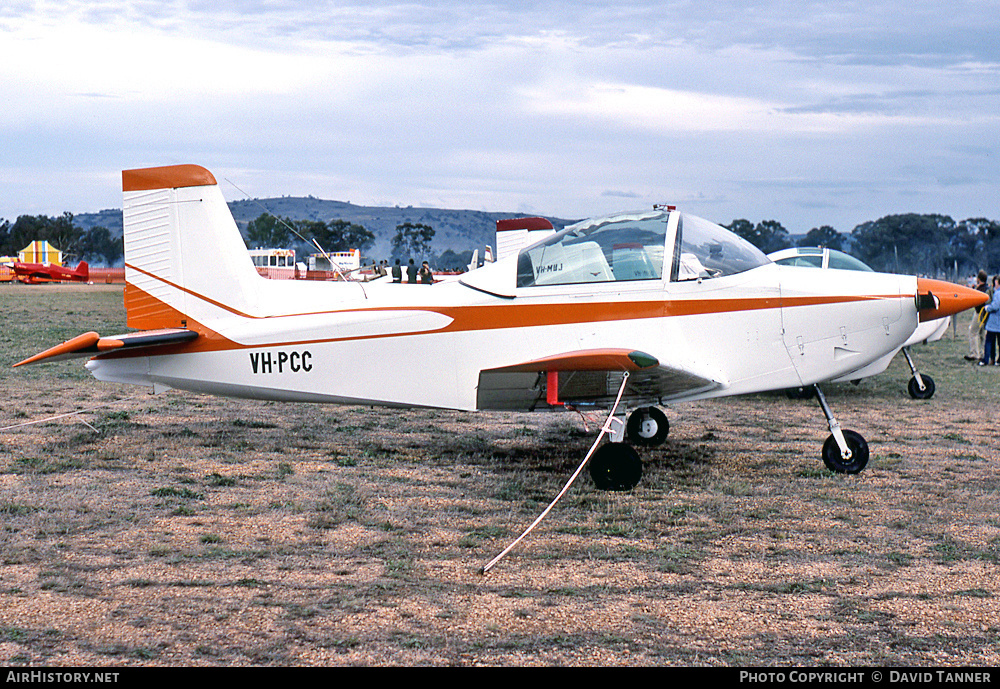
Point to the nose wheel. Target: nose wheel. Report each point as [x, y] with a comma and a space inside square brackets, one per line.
[921, 385]
[854, 462]
[844, 452]
[921, 388]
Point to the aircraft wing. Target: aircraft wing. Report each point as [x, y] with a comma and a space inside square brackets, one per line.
[90, 344]
[588, 378]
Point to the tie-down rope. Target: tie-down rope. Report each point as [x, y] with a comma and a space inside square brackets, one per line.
[606, 428]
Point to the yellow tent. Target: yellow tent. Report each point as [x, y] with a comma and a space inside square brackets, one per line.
[40, 251]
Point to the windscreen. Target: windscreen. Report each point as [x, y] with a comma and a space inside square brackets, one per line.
[705, 250]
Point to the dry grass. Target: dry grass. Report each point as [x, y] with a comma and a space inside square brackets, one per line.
[187, 530]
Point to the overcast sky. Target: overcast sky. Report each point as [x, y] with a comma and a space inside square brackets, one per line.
[809, 113]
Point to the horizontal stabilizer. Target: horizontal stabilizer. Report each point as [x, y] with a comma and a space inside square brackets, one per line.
[90, 344]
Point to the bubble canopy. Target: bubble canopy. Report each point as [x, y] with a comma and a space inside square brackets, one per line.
[818, 257]
[634, 246]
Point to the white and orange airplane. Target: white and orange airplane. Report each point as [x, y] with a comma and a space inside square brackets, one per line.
[687, 309]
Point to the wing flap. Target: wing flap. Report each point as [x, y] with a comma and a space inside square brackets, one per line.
[587, 378]
[90, 344]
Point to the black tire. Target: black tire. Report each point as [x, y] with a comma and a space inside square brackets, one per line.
[835, 461]
[616, 466]
[914, 389]
[647, 426]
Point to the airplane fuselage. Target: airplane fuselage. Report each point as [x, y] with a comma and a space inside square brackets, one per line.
[417, 345]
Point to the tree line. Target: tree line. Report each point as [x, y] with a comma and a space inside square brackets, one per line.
[412, 240]
[95, 245]
[910, 243]
[271, 232]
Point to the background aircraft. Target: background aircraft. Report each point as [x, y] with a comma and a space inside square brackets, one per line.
[48, 272]
[686, 308]
[921, 386]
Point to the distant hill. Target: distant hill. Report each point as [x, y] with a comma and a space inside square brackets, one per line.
[458, 230]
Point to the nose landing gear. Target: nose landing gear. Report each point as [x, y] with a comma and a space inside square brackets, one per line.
[844, 452]
[921, 385]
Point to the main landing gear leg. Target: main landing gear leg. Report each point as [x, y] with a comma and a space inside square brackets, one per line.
[920, 387]
[844, 452]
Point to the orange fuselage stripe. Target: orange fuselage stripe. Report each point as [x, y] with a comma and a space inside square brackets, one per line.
[526, 315]
[472, 318]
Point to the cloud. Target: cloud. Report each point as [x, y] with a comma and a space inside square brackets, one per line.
[621, 194]
[536, 104]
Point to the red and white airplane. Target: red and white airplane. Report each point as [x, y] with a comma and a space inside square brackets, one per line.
[686, 308]
[49, 272]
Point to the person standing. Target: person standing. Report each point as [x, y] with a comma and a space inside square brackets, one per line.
[990, 350]
[397, 272]
[977, 331]
[411, 273]
[426, 276]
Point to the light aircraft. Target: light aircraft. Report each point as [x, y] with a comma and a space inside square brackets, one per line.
[921, 386]
[657, 306]
[49, 272]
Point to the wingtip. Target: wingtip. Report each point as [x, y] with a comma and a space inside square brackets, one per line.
[643, 360]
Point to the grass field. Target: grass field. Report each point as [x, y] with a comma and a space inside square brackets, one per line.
[180, 529]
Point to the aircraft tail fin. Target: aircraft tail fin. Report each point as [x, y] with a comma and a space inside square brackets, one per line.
[513, 234]
[185, 261]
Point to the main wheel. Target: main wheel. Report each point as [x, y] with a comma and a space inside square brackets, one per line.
[914, 387]
[647, 426]
[616, 466]
[835, 461]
